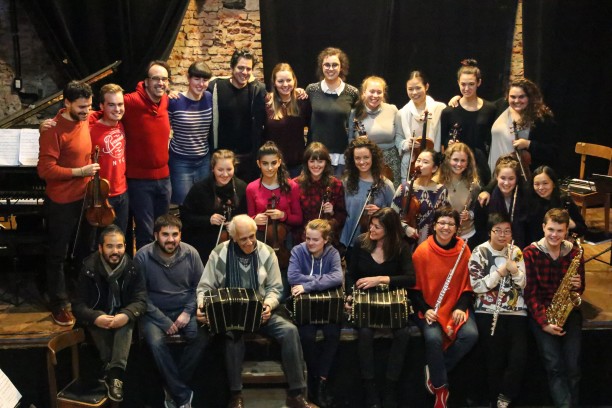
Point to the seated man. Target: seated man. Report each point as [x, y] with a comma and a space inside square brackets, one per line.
[247, 263]
[111, 296]
[172, 270]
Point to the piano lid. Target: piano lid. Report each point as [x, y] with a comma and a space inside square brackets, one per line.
[23, 114]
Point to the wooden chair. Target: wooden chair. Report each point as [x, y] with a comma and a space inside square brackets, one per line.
[584, 200]
[76, 394]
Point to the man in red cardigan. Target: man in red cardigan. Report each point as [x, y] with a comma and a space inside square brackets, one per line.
[64, 162]
[147, 131]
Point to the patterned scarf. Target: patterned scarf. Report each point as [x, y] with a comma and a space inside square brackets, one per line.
[237, 263]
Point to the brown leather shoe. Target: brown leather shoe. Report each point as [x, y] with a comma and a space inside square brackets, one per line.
[63, 317]
[298, 402]
[236, 401]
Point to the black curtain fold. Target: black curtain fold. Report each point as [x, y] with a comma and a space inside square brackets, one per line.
[391, 38]
[567, 51]
[83, 37]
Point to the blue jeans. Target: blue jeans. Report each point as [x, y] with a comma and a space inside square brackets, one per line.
[442, 361]
[185, 172]
[561, 358]
[148, 200]
[121, 205]
[175, 375]
[282, 331]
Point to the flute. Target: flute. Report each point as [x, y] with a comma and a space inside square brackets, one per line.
[500, 292]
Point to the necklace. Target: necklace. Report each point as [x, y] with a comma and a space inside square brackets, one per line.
[455, 185]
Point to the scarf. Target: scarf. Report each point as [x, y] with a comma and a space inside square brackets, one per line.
[112, 278]
[237, 262]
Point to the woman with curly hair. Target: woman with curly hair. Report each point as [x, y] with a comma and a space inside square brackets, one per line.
[459, 175]
[527, 124]
[332, 100]
[362, 178]
[286, 117]
[321, 194]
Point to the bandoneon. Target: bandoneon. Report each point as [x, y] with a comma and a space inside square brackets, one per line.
[380, 308]
[319, 307]
[233, 309]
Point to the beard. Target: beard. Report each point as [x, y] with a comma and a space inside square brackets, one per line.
[169, 249]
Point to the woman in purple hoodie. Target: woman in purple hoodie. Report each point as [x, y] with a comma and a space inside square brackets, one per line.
[315, 266]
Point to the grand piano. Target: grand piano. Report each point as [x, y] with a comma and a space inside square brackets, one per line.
[22, 193]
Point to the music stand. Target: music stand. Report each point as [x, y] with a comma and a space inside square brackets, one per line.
[603, 184]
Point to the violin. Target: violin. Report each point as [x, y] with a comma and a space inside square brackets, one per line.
[276, 234]
[522, 155]
[454, 133]
[364, 219]
[411, 206]
[424, 144]
[325, 199]
[360, 129]
[223, 235]
[99, 213]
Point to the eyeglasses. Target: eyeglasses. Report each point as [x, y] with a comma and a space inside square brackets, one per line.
[159, 79]
[446, 224]
[501, 233]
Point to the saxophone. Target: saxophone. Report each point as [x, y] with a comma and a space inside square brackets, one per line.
[565, 299]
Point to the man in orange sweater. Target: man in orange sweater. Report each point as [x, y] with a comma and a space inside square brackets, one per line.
[64, 162]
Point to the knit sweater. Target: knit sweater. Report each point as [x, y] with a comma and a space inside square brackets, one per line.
[380, 125]
[111, 158]
[485, 279]
[147, 130]
[268, 273]
[258, 196]
[330, 112]
[432, 265]
[544, 275]
[191, 123]
[315, 274]
[62, 148]
[171, 283]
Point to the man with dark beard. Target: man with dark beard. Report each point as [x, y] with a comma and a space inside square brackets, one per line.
[172, 270]
[111, 296]
[64, 162]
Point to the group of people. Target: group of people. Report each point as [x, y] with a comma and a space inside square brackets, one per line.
[402, 196]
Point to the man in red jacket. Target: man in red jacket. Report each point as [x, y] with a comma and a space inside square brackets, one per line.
[64, 162]
[147, 131]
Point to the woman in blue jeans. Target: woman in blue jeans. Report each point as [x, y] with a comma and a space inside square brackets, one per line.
[442, 299]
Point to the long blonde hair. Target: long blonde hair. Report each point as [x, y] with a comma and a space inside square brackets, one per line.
[469, 175]
[292, 109]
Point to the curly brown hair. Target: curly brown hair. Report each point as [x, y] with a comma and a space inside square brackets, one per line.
[328, 52]
[536, 108]
[351, 172]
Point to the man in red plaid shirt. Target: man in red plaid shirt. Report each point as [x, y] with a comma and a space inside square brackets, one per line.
[546, 262]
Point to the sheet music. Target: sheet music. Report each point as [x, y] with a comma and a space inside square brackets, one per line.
[28, 147]
[9, 154]
[9, 396]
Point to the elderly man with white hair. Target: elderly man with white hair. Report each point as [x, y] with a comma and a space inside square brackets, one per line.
[245, 262]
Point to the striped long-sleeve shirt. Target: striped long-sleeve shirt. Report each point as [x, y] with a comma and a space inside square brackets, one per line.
[191, 123]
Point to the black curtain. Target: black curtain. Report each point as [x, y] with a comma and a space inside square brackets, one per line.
[567, 51]
[391, 38]
[82, 37]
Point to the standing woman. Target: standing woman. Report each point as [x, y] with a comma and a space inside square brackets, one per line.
[444, 311]
[321, 194]
[474, 115]
[314, 267]
[363, 177]
[459, 175]
[508, 198]
[534, 123]
[543, 195]
[286, 117]
[377, 119]
[191, 120]
[204, 209]
[331, 100]
[381, 257]
[431, 195]
[412, 119]
[274, 189]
